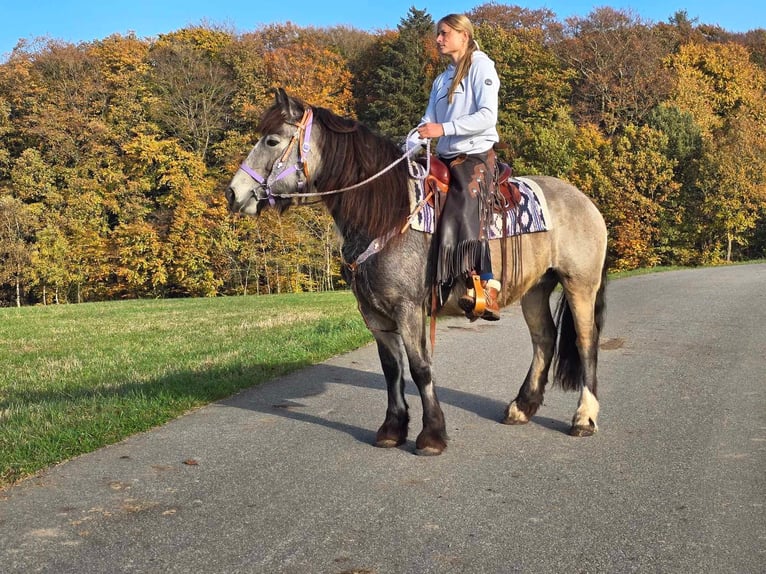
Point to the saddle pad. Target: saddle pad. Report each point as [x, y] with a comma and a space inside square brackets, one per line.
[530, 216]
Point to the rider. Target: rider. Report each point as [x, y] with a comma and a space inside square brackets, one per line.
[462, 113]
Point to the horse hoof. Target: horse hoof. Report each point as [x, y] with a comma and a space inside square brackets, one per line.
[430, 445]
[513, 421]
[388, 443]
[429, 451]
[582, 430]
[516, 416]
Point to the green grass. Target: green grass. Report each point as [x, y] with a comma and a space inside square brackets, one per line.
[644, 271]
[662, 268]
[77, 377]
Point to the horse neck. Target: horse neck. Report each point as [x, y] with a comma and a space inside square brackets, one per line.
[345, 160]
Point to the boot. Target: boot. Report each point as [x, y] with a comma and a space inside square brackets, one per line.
[491, 306]
[467, 301]
[483, 306]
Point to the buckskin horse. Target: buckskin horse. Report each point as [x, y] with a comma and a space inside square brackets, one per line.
[362, 181]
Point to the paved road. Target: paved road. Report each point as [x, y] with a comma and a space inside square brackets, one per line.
[285, 479]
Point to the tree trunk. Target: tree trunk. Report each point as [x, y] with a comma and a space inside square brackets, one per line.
[728, 247]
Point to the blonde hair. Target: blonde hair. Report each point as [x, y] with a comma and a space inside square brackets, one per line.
[460, 23]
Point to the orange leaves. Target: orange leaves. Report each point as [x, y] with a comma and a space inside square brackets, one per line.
[312, 73]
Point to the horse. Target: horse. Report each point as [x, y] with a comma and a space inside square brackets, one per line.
[361, 179]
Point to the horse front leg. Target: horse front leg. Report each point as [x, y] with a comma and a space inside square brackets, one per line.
[535, 305]
[393, 431]
[432, 440]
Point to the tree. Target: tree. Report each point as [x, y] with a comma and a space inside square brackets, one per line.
[533, 84]
[631, 181]
[714, 82]
[734, 182]
[123, 65]
[724, 92]
[50, 263]
[534, 88]
[646, 196]
[178, 192]
[16, 224]
[316, 75]
[512, 18]
[245, 58]
[618, 61]
[140, 264]
[194, 87]
[6, 128]
[681, 216]
[394, 83]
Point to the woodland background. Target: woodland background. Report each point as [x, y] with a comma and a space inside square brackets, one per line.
[114, 154]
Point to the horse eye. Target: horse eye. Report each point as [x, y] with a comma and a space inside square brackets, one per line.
[272, 142]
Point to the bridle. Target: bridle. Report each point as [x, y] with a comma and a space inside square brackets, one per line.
[303, 132]
[301, 137]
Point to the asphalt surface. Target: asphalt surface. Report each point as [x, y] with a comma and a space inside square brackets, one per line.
[282, 478]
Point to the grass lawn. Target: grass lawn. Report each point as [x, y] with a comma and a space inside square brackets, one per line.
[74, 378]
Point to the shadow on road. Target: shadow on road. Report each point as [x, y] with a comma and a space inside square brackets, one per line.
[284, 398]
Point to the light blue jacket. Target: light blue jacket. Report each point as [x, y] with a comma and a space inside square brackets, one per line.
[469, 121]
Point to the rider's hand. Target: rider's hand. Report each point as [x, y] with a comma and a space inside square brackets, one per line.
[430, 130]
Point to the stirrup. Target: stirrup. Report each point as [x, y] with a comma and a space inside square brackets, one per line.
[480, 299]
[468, 301]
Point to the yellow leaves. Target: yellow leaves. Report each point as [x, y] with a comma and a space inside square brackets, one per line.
[120, 57]
[715, 81]
[140, 261]
[164, 164]
[212, 40]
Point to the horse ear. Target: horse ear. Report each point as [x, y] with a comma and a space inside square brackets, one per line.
[281, 98]
[291, 110]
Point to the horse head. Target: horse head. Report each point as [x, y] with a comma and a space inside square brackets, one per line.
[278, 165]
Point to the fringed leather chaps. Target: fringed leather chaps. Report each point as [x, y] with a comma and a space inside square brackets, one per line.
[462, 233]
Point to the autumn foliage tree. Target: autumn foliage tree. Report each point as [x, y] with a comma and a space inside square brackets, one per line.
[719, 86]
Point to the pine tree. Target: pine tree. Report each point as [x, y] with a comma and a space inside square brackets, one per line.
[392, 89]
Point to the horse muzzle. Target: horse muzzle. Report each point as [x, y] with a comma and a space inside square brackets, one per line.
[244, 202]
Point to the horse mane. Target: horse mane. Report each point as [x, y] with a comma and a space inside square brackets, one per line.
[351, 153]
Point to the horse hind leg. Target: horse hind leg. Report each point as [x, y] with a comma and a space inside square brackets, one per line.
[393, 431]
[535, 305]
[580, 325]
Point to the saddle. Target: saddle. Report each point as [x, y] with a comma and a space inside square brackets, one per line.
[438, 180]
[507, 188]
[438, 175]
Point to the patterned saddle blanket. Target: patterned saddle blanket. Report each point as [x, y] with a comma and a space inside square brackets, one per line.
[529, 215]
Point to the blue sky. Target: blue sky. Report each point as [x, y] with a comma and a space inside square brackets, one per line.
[85, 20]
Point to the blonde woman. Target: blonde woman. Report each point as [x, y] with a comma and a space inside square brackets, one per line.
[462, 113]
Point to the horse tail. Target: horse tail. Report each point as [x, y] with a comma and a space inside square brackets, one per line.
[568, 365]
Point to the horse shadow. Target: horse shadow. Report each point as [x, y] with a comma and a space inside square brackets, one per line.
[285, 396]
